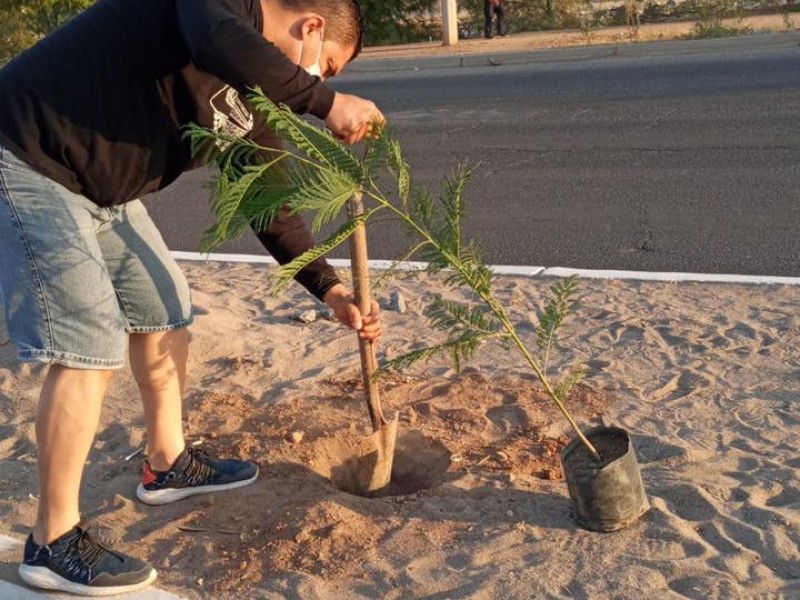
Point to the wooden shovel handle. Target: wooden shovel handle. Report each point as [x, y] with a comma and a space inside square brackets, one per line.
[360, 270]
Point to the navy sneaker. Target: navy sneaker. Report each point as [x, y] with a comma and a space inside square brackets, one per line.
[77, 564]
[194, 472]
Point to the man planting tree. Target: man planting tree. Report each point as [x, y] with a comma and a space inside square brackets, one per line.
[90, 120]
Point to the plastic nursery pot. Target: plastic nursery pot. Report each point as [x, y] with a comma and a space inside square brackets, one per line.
[607, 495]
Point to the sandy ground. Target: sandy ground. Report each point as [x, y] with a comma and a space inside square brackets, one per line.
[705, 377]
[521, 42]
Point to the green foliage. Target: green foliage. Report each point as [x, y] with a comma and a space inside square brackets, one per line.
[288, 271]
[423, 354]
[570, 380]
[23, 22]
[556, 310]
[398, 21]
[531, 15]
[711, 16]
[233, 202]
[316, 143]
[318, 175]
[15, 35]
[45, 16]
[466, 328]
[711, 30]
[399, 167]
[242, 193]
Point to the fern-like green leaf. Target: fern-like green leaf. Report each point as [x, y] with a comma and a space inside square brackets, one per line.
[422, 211]
[376, 154]
[230, 200]
[324, 193]
[394, 267]
[454, 209]
[434, 258]
[288, 271]
[230, 153]
[204, 144]
[399, 167]
[569, 381]
[558, 307]
[465, 270]
[415, 356]
[448, 315]
[460, 349]
[315, 143]
[465, 346]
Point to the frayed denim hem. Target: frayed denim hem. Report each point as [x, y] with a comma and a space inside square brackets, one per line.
[156, 328]
[73, 361]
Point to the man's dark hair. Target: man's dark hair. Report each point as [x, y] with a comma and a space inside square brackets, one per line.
[344, 19]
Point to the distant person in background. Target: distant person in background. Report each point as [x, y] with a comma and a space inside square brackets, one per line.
[490, 8]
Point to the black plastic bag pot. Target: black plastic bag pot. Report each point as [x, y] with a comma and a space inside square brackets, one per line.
[607, 495]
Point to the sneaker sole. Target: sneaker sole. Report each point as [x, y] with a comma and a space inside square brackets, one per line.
[45, 579]
[166, 496]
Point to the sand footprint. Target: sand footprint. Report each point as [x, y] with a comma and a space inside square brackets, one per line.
[713, 586]
[682, 385]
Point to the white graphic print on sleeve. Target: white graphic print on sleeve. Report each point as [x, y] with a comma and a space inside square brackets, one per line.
[231, 116]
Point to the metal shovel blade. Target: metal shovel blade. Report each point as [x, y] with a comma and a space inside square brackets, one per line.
[376, 451]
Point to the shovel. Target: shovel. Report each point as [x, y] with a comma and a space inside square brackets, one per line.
[374, 467]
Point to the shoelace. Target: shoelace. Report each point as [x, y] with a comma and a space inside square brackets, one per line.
[81, 555]
[198, 471]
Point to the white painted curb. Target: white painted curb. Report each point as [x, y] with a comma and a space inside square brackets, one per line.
[672, 276]
[521, 271]
[7, 544]
[12, 591]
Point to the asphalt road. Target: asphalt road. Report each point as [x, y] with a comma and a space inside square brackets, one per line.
[679, 156]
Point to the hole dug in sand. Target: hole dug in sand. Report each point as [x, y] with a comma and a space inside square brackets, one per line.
[419, 464]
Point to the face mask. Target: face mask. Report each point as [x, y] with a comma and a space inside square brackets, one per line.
[315, 69]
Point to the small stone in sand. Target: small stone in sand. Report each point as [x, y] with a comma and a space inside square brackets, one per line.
[296, 437]
[397, 302]
[302, 536]
[308, 316]
[551, 474]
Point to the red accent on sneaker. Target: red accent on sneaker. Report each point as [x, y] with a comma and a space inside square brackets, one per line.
[148, 476]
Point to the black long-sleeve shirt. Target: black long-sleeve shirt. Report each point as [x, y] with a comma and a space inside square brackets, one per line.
[98, 105]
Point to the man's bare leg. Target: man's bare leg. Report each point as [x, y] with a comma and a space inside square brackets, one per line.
[58, 555]
[69, 412]
[158, 362]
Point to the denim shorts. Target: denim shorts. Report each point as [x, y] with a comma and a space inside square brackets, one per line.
[75, 278]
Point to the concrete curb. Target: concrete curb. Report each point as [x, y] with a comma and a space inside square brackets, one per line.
[520, 271]
[416, 61]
